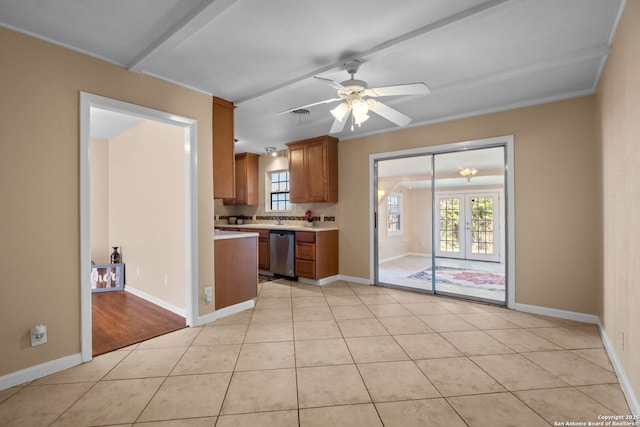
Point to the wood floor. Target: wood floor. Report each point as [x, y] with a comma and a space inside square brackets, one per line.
[121, 319]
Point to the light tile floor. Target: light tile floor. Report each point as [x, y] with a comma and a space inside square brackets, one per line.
[339, 355]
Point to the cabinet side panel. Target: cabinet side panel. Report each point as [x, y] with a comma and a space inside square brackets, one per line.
[253, 192]
[223, 150]
[332, 170]
[235, 285]
[327, 254]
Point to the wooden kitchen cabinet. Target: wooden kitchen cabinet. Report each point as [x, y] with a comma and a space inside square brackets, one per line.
[313, 170]
[316, 254]
[246, 181]
[223, 149]
[264, 255]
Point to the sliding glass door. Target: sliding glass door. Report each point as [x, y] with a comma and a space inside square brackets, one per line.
[440, 223]
[403, 210]
[469, 224]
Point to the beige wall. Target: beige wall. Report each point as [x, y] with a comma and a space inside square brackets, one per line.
[416, 220]
[146, 208]
[420, 221]
[393, 245]
[618, 113]
[99, 183]
[40, 85]
[555, 200]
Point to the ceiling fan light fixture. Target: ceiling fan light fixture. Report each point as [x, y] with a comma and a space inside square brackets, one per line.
[360, 119]
[340, 112]
[359, 107]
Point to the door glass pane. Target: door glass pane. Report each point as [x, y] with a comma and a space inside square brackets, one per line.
[468, 191]
[482, 225]
[403, 233]
[449, 224]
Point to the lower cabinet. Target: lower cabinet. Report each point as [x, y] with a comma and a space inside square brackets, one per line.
[264, 258]
[316, 254]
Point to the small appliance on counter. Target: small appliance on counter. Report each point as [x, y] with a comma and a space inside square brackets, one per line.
[232, 220]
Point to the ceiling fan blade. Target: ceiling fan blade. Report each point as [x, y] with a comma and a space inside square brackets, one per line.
[389, 113]
[326, 101]
[408, 89]
[331, 83]
[338, 125]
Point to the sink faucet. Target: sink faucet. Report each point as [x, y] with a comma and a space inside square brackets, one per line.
[278, 220]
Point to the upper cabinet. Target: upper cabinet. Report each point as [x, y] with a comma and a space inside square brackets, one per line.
[223, 151]
[313, 170]
[246, 180]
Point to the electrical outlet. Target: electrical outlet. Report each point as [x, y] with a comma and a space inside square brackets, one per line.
[622, 341]
[208, 294]
[137, 270]
[38, 335]
[166, 279]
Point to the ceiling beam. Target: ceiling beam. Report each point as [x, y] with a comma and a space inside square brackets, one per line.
[429, 28]
[184, 29]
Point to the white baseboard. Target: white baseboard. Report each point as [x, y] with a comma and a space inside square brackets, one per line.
[629, 394]
[392, 258]
[177, 310]
[320, 282]
[420, 254]
[353, 279]
[39, 371]
[554, 312]
[223, 312]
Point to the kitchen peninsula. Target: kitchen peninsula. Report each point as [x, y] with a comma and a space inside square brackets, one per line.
[235, 285]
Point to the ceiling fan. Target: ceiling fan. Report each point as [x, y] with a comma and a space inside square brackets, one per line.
[357, 100]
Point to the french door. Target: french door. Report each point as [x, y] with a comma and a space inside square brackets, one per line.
[468, 225]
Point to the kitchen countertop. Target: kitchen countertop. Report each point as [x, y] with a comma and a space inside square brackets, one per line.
[224, 234]
[277, 227]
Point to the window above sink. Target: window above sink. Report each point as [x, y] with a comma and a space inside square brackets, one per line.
[277, 189]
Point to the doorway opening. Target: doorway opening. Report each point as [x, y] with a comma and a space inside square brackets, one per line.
[136, 201]
[442, 220]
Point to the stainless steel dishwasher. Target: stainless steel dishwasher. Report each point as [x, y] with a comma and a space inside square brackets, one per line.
[281, 253]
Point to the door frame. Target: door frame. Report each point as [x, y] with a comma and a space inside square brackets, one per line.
[506, 141]
[190, 127]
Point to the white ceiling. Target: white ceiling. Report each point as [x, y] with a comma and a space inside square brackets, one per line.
[107, 124]
[476, 56]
